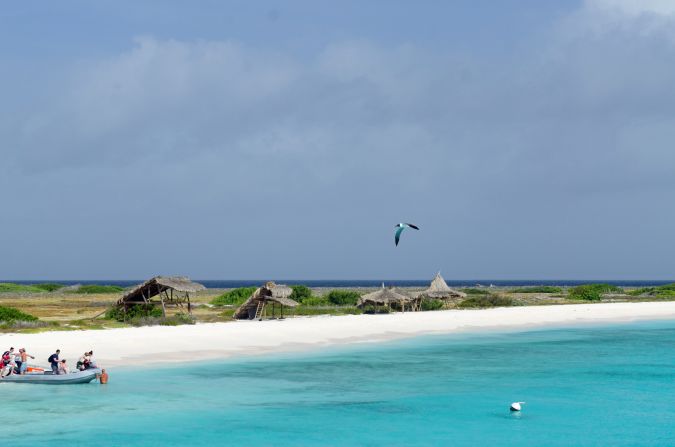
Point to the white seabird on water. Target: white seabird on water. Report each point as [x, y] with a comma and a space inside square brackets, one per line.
[516, 406]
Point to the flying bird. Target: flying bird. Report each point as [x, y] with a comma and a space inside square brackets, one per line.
[399, 229]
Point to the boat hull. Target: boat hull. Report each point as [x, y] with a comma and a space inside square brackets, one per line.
[54, 379]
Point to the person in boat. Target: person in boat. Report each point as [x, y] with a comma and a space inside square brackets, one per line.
[54, 361]
[7, 359]
[63, 368]
[91, 363]
[24, 361]
[82, 362]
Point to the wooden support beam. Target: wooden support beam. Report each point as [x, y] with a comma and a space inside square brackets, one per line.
[163, 307]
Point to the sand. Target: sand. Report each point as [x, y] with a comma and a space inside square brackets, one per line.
[159, 345]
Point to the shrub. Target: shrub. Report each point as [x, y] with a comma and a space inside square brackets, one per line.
[300, 293]
[591, 292]
[137, 311]
[337, 310]
[96, 288]
[11, 314]
[49, 286]
[178, 319]
[538, 289]
[370, 309]
[343, 297]
[431, 304]
[315, 301]
[664, 291]
[234, 296]
[486, 301]
[6, 287]
[471, 291]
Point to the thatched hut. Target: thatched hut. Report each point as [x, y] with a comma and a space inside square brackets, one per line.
[172, 291]
[387, 298]
[269, 295]
[440, 290]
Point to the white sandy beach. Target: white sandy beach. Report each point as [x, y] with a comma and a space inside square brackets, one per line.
[148, 345]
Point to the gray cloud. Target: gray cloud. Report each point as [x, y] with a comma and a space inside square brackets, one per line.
[218, 159]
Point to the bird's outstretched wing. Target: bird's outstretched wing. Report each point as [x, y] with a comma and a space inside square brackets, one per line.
[413, 226]
[399, 230]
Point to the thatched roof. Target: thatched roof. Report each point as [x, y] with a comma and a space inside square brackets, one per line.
[439, 289]
[270, 292]
[158, 284]
[383, 297]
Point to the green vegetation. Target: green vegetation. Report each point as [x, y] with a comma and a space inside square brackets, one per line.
[301, 293]
[591, 292]
[370, 309]
[664, 291]
[96, 288]
[334, 310]
[471, 291]
[316, 301]
[234, 297]
[537, 289]
[431, 304]
[147, 315]
[135, 311]
[486, 301]
[175, 320]
[49, 286]
[10, 287]
[9, 314]
[343, 297]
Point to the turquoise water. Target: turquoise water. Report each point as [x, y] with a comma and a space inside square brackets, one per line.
[610, 385]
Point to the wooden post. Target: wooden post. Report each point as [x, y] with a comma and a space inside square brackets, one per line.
[163, 307]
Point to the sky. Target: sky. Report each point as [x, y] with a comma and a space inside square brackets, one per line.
[284, 139]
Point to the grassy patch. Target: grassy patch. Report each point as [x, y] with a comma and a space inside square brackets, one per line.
[49, 286]
[537, 289]
[234, 297]
[665, 291]
[591, 292]
[316, 301]
[471, 291]
[303, 310]
[431, 304]
[12, 314]
[479, 302]
[96, 288]
[10, 287]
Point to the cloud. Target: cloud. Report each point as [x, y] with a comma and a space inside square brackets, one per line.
[633, 8]
[174, 144]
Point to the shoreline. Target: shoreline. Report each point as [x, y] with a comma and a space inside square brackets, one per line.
[163, 345]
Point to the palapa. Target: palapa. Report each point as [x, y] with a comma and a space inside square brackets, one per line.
[164, 286]
[386, 297]
[439, 289]
[270, 293]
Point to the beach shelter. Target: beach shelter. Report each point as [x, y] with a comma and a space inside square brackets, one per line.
[384, 297]
[439, 289]
[171, 290]
[268, 296]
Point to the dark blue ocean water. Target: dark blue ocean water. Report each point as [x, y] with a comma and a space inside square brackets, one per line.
[232, 283]
[587, 386]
